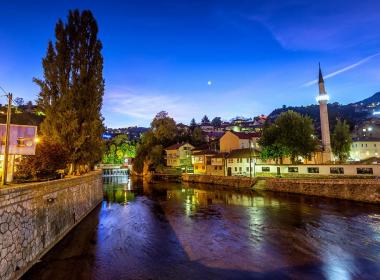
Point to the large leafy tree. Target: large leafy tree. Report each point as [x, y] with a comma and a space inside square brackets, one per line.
[164, 128]
[71, 92]
[341, 141]
[291, 135]
[150, 150]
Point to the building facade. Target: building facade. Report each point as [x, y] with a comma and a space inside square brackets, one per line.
[365, 148]
[179, 155]
[238, 140]
[241, 162]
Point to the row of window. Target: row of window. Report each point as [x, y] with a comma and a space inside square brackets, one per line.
[239, 160]
[333, 170]
[241, 169]
[363, 145]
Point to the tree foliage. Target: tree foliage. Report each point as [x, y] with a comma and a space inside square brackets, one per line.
[71, 91]
[49, 158]
[196, 136]
[217, 121]
[164, 128]
[193, 124]
[150, 150]
[118, 149]
[291, 135]
[341, 141]
[205, 120]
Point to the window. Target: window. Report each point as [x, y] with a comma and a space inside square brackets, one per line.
[366, 145]
[336, 170]
[362, 145]
[247, 160]
[203, 167]
[240, 169]
[313, 170]
[247, 169]
[230, 160]
[374, 145]
[196, 168]
[215, 167]
[265, 169]
[220, 167]
[292, 169]
[235, 170]
[364, 170]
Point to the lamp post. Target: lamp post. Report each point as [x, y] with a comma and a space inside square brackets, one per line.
[7, 133]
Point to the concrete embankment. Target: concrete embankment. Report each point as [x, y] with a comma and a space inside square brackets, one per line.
[235, 181]
[35, 216]
[364, 190]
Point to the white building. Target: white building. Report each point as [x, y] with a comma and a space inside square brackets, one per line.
[365, 148]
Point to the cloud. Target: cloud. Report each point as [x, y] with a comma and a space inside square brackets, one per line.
[319, 25]
[342, 70]
[143, 104]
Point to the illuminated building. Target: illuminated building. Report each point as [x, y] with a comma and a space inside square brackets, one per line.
[179, 155]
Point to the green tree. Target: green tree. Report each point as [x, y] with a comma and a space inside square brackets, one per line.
[150, 150]
[290, 135]
[164, 129]
[217, 121]
[71, 92]
[205, 120]
[341, 141]
[197, 137]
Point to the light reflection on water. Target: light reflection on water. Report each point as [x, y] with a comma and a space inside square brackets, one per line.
[184, 231]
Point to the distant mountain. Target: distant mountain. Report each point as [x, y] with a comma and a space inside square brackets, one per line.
[353, 113]
[370, 100]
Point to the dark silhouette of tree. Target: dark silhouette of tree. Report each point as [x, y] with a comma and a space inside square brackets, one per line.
[217, 121]
[196, 136]
[205, 120]
[71, 92]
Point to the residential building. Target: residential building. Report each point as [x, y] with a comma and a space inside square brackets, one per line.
[179, 156]
[364, 148]
[232, 140]
[241, 162]
[217, 165]
[201, 159]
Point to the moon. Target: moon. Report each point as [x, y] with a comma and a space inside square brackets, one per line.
[209, 83]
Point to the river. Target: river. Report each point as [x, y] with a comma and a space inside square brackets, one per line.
[182, 231]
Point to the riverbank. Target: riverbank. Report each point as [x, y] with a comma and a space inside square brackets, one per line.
[234, 182]
[361, 189]
[36, 216]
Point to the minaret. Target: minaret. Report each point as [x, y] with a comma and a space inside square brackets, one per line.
[322, 99]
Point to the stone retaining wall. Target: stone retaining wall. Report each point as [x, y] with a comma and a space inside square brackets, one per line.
[365, 190]
[35, 216]
[233, 181]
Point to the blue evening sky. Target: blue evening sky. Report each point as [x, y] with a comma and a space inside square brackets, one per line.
[160, 54]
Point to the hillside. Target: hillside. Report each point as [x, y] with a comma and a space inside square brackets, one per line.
[353, 113]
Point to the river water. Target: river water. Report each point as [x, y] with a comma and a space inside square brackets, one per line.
[182, 231]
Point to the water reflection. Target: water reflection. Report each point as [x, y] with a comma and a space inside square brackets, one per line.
[185, 231]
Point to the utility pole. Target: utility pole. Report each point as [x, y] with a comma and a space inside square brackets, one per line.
[250, 158]
[7, 133]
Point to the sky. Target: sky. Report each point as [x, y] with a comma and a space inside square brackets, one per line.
[196, 57]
